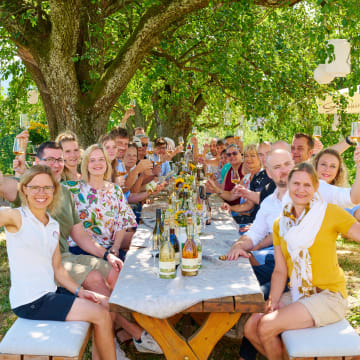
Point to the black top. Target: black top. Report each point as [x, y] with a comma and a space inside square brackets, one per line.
[267, 190]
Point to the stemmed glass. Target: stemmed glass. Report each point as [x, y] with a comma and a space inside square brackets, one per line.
[181, 141]
[317, 132]
[355, 132]
[239, 134]
[208, 171]
[150, 151]
[24, 121]
[235, 178]
[133, 103]
[19, 147]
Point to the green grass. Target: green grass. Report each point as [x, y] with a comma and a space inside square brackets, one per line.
[348, 253]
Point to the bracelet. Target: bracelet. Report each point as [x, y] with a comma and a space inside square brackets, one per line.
[77, 291]
[348, 141]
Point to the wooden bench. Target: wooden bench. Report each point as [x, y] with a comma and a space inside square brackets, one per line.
[45, 340]
[335, 341]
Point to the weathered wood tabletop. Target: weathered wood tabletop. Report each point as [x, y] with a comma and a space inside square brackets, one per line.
[158, 305]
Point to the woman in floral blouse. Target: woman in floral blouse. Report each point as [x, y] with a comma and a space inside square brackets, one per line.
[102, 207]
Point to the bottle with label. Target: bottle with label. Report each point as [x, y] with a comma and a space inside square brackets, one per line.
[189, 259]
[167, 269]
[157, 232]
[174, 241]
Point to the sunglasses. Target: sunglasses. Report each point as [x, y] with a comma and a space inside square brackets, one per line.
[234, 153]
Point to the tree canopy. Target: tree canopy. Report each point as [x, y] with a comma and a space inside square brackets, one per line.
[180, 60]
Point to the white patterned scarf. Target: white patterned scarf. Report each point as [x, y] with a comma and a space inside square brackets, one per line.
[299, 235]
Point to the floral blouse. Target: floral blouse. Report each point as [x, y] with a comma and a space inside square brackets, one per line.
[102, 212]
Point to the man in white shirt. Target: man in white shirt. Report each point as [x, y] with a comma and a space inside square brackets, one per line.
[278, 165]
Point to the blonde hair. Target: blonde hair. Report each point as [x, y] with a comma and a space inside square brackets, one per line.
[62, 138]
[252, 148]
[85, 162]
[29, 175]
[66, 136]
[341, 178]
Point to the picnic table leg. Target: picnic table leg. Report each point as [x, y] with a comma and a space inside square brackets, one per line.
[212, 330]
[171, 342]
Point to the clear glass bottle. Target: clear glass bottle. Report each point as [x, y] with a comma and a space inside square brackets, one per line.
[157, 232]
[189, 258]
[197, 239]
[167, 268]
[174, 241]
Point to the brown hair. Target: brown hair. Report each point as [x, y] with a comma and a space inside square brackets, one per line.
[30, 174]
[85, 162]
[308, 168]
[102, 140]
[341, 178]
[309, 139]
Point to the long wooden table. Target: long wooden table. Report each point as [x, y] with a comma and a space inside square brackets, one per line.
[214, 316]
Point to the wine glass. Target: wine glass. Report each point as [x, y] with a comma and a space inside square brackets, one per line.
[355, 132]
[235, 178]
[19, 147]
[150, 151]
[194, 131]
[133, 103]
[317, 132]
[208, 171]
[24, 121]
[239, 134]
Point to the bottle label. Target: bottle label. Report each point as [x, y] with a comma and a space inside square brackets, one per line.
[189, 265]
[167, 269]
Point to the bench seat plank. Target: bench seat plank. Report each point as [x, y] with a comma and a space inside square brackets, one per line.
[332, 341]
[45, 338]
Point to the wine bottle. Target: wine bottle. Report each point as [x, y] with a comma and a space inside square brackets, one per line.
[197, 240]
[174, 241]
[158, 230]
[208, 212]
[189, 259]
[167, 269]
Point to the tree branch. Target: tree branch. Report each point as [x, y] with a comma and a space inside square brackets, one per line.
[147, 34]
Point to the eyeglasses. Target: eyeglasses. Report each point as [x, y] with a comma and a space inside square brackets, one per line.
[234, 153]
[35, 189]
[145, 145]
[52, 161]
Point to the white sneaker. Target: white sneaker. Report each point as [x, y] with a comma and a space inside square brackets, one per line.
[147, 344]
[120, 354]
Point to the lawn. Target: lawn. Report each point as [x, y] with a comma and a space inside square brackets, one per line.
[348, 253]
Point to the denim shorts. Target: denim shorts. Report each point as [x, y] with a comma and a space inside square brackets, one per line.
[51, 306]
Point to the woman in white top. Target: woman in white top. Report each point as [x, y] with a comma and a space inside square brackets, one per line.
[34, 257]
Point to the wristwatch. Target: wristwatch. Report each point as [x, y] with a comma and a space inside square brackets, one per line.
[106, 253]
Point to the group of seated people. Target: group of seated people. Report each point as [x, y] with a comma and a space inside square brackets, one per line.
[78, 206]
[309, 192]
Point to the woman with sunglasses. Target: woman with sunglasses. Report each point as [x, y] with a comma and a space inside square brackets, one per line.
[32, 240]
